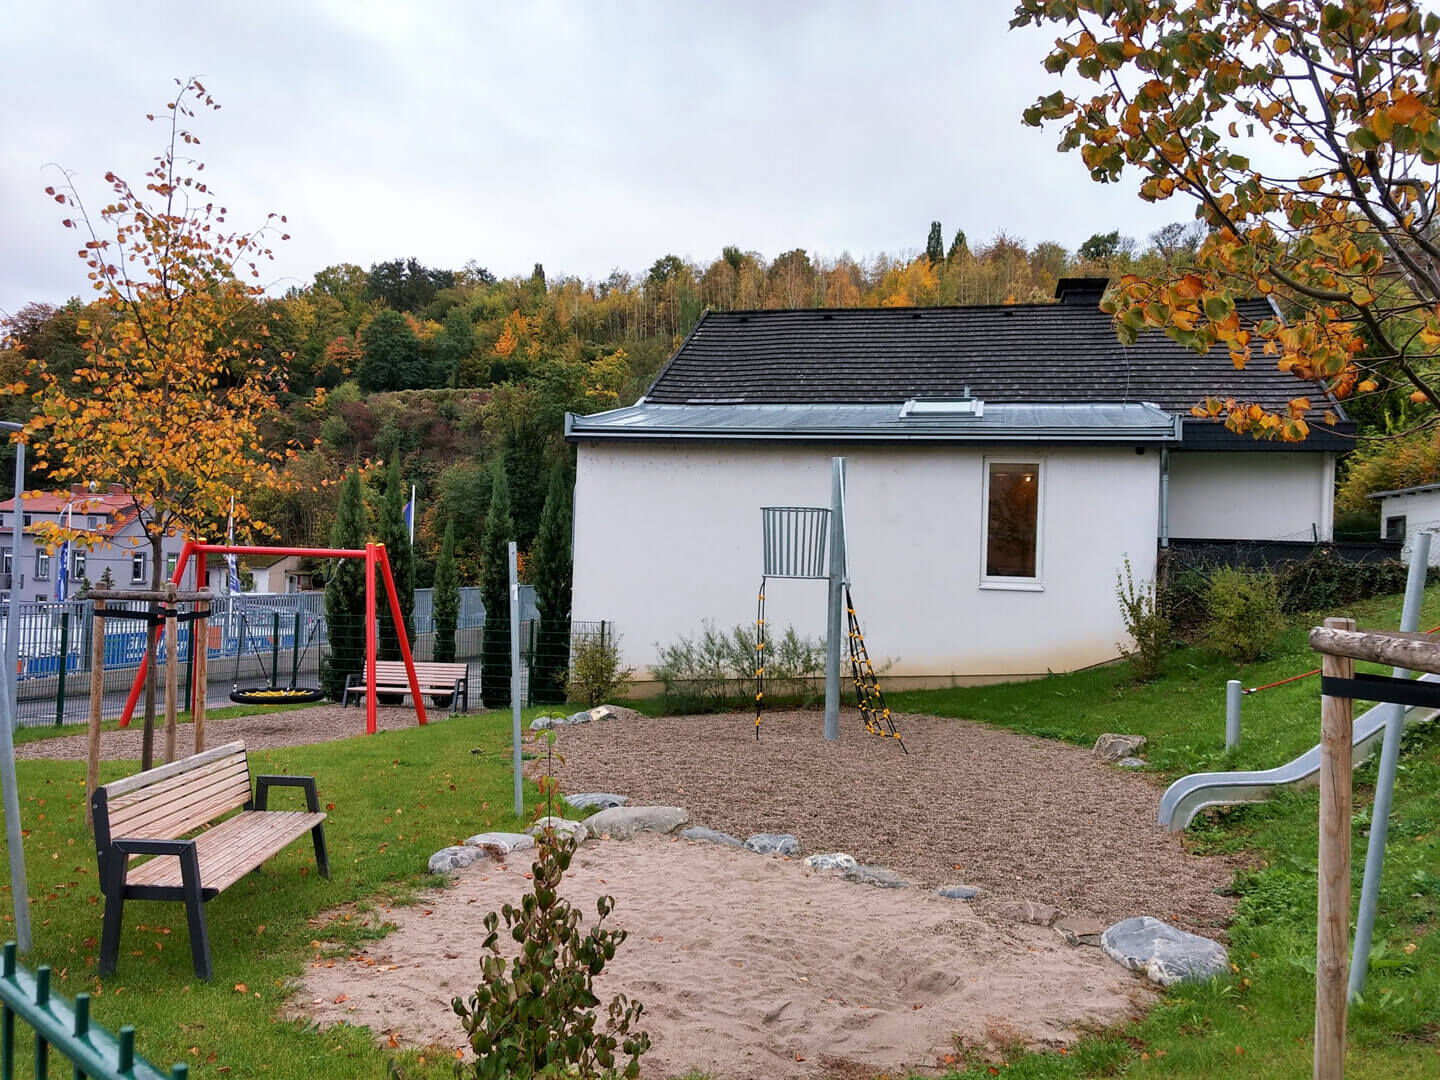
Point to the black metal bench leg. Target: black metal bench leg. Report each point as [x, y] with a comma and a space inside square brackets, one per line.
[322, 854]
[195, 915]
[110, 933]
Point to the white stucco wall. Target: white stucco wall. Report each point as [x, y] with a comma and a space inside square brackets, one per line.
[1421, 511]
[668, 535]
[1251, 495]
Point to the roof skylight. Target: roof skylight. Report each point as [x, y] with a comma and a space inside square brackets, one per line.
[967, 406]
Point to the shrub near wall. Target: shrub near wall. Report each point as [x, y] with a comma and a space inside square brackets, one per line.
[716, 669]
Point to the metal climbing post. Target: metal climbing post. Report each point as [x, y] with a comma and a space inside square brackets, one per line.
[835, 621]
[1385, 779]
[1233, 697]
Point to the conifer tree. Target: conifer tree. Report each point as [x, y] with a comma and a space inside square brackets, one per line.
[958, 246]
[495, 591]
[551, 570]
[935, 244]
[446, 599]
[392, 531]
[345, 591]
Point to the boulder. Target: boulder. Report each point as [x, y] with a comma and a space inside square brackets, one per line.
[1080, 931]
[710, 836]
[615, 712]
[448, 860]
[545, 723]
[958, 892]
[835, 860]
[596, 800]
[878, 876]
[499, 844]
[1132, 763]
[772, 843]
[1028, 911]
[623, 822]
[562, 827]
[1162, 953]
[1112, 747]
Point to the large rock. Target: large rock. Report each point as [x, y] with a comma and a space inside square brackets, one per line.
[772, 843]
[623, 822]
[499, 844]
[1112, 747]
[835, 860]
[545, 723]
[1132, 763]
[1162, 953]
[1028, 911]
[562, 827]
[614, 712]
[448, 860]
[875, 875]
[710, 836]
[596, 800]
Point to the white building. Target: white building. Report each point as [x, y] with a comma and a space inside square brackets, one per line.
[1003, 464]
[1407, 512]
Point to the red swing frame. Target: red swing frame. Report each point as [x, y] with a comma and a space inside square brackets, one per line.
[373, 554]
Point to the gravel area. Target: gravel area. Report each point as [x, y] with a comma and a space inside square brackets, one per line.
[263, 731]
[1021, 817]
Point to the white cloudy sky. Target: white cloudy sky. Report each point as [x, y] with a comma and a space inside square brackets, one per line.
[584, 135]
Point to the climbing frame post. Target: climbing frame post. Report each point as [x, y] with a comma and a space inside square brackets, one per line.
[1337, 715]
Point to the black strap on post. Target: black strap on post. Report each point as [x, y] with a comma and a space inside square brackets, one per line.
[1386, 688]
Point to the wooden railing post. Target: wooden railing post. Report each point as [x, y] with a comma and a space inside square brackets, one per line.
[1332, 939]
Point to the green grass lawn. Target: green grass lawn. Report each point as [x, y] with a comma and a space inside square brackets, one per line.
[400, 795]
[1257, 1024]
[393, 799]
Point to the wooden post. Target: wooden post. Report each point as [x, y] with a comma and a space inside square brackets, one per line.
[1332, 939]
[200, 651]
[97, 705]
[172, 673]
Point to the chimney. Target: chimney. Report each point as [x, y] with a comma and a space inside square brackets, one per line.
[1081, 291]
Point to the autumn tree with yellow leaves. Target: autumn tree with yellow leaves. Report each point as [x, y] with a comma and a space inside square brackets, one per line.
[174, 386]
[1308, 136]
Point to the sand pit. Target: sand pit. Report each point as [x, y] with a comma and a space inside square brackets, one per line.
[749, 966]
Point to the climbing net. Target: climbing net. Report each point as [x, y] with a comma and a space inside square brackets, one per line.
[868, 696]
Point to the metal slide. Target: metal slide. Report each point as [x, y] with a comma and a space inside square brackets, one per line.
[1189, 795]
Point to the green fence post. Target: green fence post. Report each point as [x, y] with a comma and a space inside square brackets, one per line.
[295, 652]
[274, 648]
[64, 656]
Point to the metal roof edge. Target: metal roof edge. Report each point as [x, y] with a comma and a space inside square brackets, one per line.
[1416, 490]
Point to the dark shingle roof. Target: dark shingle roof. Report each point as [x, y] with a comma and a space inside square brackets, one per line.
[1015, 353]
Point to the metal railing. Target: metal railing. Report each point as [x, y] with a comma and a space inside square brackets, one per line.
[92, 1050]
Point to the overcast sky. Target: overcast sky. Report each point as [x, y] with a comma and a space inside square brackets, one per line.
[585, 136]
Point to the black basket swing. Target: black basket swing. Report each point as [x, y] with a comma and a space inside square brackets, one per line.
[272, 693]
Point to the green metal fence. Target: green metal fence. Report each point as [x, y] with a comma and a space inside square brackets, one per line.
[66, 1028]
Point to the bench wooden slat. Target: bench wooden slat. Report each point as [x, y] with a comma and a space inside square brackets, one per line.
[183, 810]
[230, 850]
[145, 779]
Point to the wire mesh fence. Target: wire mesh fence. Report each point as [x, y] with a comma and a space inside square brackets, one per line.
[260, 641]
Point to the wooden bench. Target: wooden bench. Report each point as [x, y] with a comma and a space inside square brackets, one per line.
[174, 815]
[450, 680]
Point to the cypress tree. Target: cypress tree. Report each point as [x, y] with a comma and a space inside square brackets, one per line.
[495, 591]
[345, 591]
[551, 570]
[446, 599]
[958, 246]
[935, 244]
[392, 532]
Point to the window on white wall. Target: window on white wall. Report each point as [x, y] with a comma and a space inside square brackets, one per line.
[1012, 523]
[1395, 527]
[138, 562]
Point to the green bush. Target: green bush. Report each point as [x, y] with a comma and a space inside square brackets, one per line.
[1146, 624]
[534, 1016]
[1325, 581]
[716, 669]
[595, 670]
[1245, 614]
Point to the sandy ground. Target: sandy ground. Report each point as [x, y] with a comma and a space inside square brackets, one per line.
[1024, 818]
[298, 727]
[748, 966]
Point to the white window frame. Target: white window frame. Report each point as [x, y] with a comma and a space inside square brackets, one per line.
[42, 565]
[139, 565]
[1013, 584]
[77, 565]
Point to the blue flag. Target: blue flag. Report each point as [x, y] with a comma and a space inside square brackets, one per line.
[62, 575]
